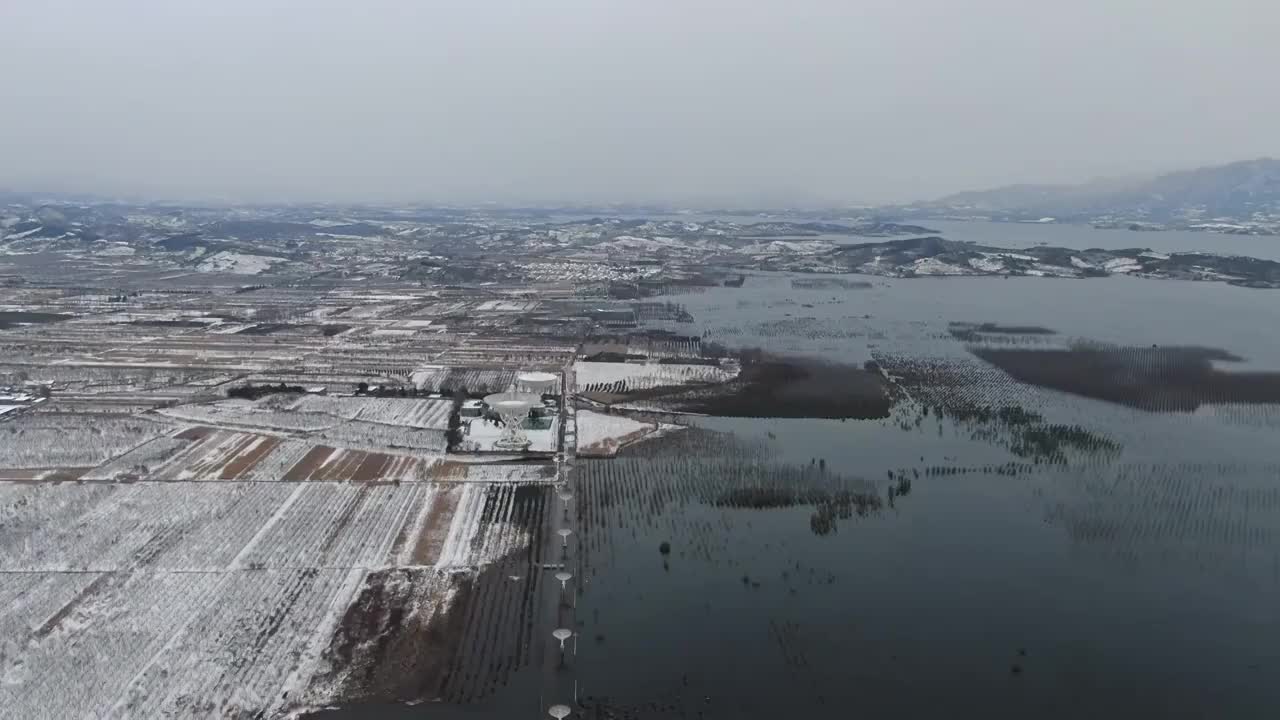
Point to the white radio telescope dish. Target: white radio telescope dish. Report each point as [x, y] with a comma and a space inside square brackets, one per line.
[537, 383]
[562, 634]
[513, 407]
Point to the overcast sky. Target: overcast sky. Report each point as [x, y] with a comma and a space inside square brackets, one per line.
[690, 101]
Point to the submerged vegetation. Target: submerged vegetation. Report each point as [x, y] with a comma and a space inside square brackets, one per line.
[988, 404]
[829, 506]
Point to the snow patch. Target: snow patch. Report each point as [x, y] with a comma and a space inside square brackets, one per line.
[934, 266]
[27, 233]
[117, 250]
[238, 263]
[642, 376]
[987, 264]
[600, 434]
[1122, 265]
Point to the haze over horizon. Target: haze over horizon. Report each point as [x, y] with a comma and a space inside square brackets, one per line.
[562, 101]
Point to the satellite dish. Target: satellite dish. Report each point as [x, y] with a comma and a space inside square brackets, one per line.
[559, 712]
[562, 634]
[538, 383]
[513, 407]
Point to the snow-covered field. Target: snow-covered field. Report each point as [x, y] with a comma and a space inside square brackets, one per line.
[934, 266]
[206, 454]
[787, 247]
[471, 542]
[53, 440]
[641, 376]
[178, 599]
[506, 306]
[446, 379]
[115, 250]
[371, 423]
[141, 460]
[987, 263]
[419, 413]
[238, 263]
[242, 413]
[371, 434]
[603, 435]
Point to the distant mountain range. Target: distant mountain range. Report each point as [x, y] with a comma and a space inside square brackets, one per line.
[1243, 191]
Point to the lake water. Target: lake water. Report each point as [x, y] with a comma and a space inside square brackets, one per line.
[1144, 585]
[1144, 582]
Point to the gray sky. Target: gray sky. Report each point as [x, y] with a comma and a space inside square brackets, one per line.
[735, 101]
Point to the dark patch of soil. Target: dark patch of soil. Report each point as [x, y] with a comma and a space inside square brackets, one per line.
[435, 529]
[372, 468]
[198, 432]
[1157, 379]
[245, 462]
[393, 643]
[342, 469]
[18, 318]
[308, 465]
[20, 475]
[449, 470]
[791, 388]
[397, 644]
[66, 474]
[973, 331]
